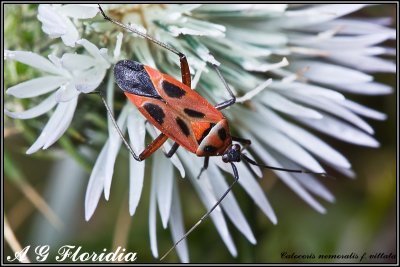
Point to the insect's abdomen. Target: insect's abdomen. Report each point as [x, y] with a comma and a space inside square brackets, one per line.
[215, 140]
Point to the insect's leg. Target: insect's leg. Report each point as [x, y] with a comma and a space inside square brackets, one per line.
[153, 146]
[205, 166]
[236, 176]
[241, 140]
[110, 113]
[186, 79]
[144, 35]
[169, 154]
[228, 102]
[172, 151]
[150, 149]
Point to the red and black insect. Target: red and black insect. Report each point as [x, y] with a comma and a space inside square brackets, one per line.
[181, 114]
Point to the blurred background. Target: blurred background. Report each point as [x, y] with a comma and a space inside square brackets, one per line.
[44, 192]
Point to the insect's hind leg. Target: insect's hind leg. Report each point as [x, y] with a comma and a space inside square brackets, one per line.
[185, 71]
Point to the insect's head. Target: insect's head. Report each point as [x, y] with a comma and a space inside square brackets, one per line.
[232, 154]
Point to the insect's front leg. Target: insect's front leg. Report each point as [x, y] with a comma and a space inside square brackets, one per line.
[205, 166]
[241, 140]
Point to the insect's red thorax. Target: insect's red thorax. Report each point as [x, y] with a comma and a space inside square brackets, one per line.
[216, 141]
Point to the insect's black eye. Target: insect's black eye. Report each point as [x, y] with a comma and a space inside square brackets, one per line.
[236, 147]
[225, 158]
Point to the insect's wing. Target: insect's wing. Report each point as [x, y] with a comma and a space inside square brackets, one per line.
[167, 120]
[183, 99]
[177, 111]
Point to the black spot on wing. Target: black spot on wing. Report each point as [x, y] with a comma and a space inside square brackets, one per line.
[193, 113]
[182, 125]
[209, 149]
[205, 133]
[222, 134]
[132, 77]
[155, 112]
[172, 90]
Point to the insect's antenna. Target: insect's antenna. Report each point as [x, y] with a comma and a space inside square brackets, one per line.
[205, 216]
[144, 35]
[110, 113]
[249, 160]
